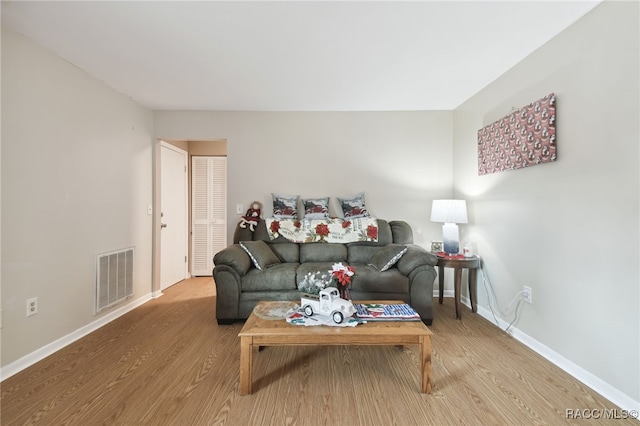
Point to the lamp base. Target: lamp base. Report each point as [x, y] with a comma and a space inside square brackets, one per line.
[450, 238]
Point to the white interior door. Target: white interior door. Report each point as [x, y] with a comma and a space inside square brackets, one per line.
[208, 211]
[174, 232]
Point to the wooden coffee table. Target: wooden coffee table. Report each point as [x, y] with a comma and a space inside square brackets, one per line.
[259, 332]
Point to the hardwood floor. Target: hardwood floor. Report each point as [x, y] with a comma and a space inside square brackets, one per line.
[169, 363]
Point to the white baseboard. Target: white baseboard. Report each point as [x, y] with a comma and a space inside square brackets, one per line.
[445, 293]
[43, 352]
[622, 400]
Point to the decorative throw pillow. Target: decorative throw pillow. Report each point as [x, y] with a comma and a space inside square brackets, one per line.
[285, 206]
[316, 208]
[260, 253]
[353, 207]
[387, 257]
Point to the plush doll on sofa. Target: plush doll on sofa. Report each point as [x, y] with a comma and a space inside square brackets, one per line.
[252, 217]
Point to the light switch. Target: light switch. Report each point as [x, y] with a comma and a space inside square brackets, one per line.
[149, 209]
[239, 208]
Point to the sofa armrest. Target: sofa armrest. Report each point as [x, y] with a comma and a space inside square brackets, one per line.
[235, 257]
[415, 257]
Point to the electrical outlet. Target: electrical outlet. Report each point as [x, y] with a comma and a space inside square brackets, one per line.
[526, 294]
[32, 306]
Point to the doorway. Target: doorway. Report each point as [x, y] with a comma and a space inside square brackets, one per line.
[212, 147]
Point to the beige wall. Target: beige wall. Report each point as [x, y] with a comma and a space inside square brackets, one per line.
[568, 229]
[401, 160]
[76, 182]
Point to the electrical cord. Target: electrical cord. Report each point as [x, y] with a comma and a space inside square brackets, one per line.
[493, 302]
[515, 317]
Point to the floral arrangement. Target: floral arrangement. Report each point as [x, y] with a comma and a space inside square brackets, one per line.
[342, 276]
[339, 275]
[313, 282]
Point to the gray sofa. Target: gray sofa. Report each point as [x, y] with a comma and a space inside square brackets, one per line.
[240, 284]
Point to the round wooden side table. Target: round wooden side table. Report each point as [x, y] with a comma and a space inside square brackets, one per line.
[458, 263]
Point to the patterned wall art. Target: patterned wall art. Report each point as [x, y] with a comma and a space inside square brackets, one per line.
[524, 138]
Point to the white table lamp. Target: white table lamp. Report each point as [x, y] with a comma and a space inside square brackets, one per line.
[450, 212]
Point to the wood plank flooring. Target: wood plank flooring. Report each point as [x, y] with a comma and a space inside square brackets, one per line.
[169, 363]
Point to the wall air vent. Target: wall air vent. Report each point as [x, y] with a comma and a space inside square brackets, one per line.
[114, 278]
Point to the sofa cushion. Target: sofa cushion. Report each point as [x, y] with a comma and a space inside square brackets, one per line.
[260, 253]
[243, 234]
[287, 252]
[401, 232]
[322, 252]
[360, 254]
[387, 257]
[384, 233]
[369, 280]
[278, 277]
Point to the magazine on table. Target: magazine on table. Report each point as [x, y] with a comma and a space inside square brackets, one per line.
[386, 312]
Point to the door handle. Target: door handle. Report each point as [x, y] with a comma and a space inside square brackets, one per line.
[163, 225]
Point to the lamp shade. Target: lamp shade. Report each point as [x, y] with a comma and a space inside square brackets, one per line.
[449, 211]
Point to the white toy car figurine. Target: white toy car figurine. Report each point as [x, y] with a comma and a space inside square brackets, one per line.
[327, 302]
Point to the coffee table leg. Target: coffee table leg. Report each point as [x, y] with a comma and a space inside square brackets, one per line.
[425, 361]
[246, 363]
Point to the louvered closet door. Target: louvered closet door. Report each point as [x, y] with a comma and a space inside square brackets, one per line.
[209, 211]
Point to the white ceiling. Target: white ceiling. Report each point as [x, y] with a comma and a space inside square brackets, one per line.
[294, 56]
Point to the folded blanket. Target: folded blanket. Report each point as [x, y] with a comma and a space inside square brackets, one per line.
[333, 230]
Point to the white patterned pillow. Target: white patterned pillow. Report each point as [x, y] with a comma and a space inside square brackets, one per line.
[285, 206]
[353, 207]
[316, 208]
